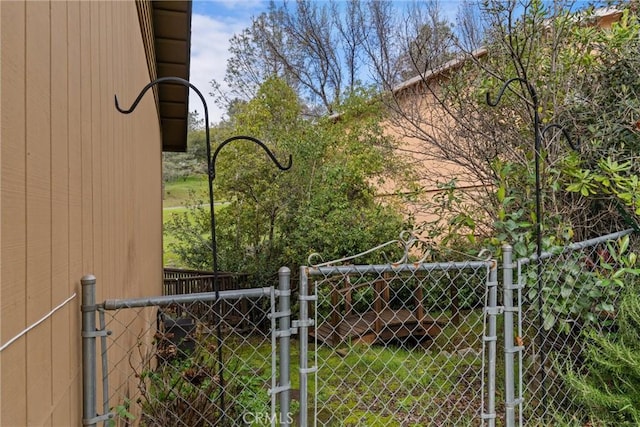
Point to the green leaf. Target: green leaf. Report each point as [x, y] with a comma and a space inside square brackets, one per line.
[574, 188]
[549, 321]
[624, 244]
[594, 293]
[618, 273]
[501, 194]
[607, 307]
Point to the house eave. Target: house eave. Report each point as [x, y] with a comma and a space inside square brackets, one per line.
[172, 43]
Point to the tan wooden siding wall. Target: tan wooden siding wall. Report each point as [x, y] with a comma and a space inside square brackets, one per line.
[80, 191]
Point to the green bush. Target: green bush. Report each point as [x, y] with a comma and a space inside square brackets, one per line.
[179, 387]
[607, 386]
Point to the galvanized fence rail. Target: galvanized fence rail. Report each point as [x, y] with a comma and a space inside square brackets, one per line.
[184, 281]
[160, 368]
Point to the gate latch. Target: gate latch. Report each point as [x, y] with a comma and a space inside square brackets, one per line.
[295, 324]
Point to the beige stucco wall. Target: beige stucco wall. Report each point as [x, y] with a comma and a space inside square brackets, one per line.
[429, 170]
[80, 191]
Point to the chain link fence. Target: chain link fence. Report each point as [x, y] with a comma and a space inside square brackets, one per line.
[182, 360]
[392, 344]
[398, 344]
[571, 292]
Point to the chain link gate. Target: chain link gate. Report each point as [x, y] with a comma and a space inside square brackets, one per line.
[163, 367]
[392, 345]
[398, 344]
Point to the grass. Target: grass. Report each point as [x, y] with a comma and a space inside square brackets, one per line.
[170, 259]
[177, 195]
[179, 191]
[387, 385]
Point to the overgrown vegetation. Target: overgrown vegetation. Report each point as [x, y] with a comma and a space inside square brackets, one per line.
[324, 204]
[577, 69]
[608, 384]
[179, 386]
[585, 79]
[582, 77]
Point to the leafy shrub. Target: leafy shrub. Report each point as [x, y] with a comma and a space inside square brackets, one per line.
[579, 289]
[608, 385]
[184, 387]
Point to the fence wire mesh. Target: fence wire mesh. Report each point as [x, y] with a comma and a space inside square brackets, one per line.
[399, 345]
[564, 298]
[186, 365]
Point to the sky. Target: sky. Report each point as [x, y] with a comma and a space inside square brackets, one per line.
[213, 23]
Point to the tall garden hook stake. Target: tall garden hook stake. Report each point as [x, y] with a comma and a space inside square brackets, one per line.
[211, 160]
[538, 135]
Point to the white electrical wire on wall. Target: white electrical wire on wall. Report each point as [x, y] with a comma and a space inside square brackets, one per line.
[45, 317]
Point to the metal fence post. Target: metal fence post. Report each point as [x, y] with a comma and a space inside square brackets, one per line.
[303, 296]
[88, 350]
[284, 300]
[491, 338]
[509, 349]
[105, 364]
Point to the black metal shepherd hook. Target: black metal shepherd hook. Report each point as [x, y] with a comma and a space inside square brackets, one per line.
[211, 160]
[538, 136]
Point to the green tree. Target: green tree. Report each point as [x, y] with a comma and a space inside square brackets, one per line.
[194, 122]
[325, 203]
[584, 80]
[176, 165]
[194, 160]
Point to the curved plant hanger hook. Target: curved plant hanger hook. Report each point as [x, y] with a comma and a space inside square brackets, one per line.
[575, 146]
[538, 135]
[211, 176]
[256, 141]
[505, 86]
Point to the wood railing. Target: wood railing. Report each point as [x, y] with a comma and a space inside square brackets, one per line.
[381, 302]
[183, 281]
